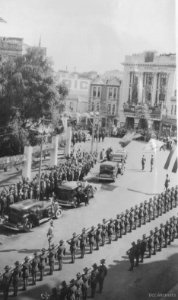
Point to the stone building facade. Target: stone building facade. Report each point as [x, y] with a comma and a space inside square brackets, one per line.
[104, 98]
[148, 87]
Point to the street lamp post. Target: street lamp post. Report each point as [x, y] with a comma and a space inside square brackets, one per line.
[94, 115]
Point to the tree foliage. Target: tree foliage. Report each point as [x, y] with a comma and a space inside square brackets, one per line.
[28, 91]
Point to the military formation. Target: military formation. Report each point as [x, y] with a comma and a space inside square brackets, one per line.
[147, 246]
[78, 136]
[93, 238]
[75, 168]
[79, 288]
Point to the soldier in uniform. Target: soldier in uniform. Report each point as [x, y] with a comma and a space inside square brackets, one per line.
[117, 227]
[126, 222]
[7, 276]
[161, 236]
[50, 233]
[85, 284]
[143, 245]
[42, 263]
[25, 272]
[72, 290]
[150, 210]
[94, 280]
[91, 236]
[137, 252]
[51, 257]
[34, 267]
[61, 252]
[143, 161]
[83, 242]
[130, 219]
[103, 232]
[78, 284]
[155, 241]
[145, 212]
[16, 277]
[73, 246]
[63, 291]
[102, 272]
[110, 230]
[140, 216]
[98, 236]
[131, 254]
[150, 243]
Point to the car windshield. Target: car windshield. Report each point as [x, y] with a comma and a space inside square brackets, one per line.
[106, 169]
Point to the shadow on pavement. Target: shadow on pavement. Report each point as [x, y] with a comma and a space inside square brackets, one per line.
[155, 278]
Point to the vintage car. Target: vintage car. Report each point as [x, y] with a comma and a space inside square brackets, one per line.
[29, 213]
[73, 193]
[108, 171]
[120, 157]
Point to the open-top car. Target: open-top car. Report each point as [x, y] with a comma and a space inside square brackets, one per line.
[29, 213]
[73, 193]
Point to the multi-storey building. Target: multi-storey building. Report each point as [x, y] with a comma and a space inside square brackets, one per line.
[148, 87]
[10, 47]
[77, 99]
[104, 98]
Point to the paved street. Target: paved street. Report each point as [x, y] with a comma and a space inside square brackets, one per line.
[157, 274]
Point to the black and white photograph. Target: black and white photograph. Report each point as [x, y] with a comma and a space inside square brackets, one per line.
[88, 150]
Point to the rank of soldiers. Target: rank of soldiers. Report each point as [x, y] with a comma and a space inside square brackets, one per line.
[147, 246]
[93, 237]
[80, 286]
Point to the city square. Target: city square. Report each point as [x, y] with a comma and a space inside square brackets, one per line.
[88, 159]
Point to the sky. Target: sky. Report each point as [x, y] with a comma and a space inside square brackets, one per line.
[85, 35]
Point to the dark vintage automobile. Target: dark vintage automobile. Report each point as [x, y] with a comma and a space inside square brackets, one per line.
[72, 193]
[120, 157]
[29, 213]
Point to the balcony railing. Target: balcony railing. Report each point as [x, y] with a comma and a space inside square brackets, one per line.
[139, 110]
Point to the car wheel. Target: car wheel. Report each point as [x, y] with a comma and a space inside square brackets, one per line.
[28, 226]
[58, 213]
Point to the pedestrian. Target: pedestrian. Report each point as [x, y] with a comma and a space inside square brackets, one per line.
[50, 234]
[151, 163]
[25, 272]
[102, 273]
[98, 236]
[6, 280]
[61, 252]
[91, 236]
[42, 263]
[73, 246]
[51, 257]
[85, 284]
[167, 181]
[83, 242]
[143, 161]
[131, 254]
[16, 277]
[94, 280]
[34, 267]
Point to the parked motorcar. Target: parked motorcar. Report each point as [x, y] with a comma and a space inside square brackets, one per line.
[108, 171]
[73, 193]
[24, 215]
[120, 157]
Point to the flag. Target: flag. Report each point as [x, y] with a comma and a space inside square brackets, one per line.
[2, 20]
[174, 170]
[171, 162]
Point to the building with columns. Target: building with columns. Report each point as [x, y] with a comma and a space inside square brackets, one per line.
[149, 83]
[104, 98]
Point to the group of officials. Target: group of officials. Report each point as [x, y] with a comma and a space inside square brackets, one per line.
[74, 168]
[159, 238]
[95, 237]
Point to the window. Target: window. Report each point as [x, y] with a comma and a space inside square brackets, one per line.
[92, 106]
[94, 91]
[99, 92]
[98, 107]
[109, 108]
[172, 107]
[110, 93]
[175, 108]
[113, 109]
[115, 93]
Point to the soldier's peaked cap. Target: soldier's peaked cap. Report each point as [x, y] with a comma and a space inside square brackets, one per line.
[35, 253]
[17, 263]
[43, 249]
[133, 243]
[85, 269]
[7, 268]
[102, 260]
[61, 241]
[78, 274]
[93, 227]
[83, 229]
[94, 265]
[74, 234]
